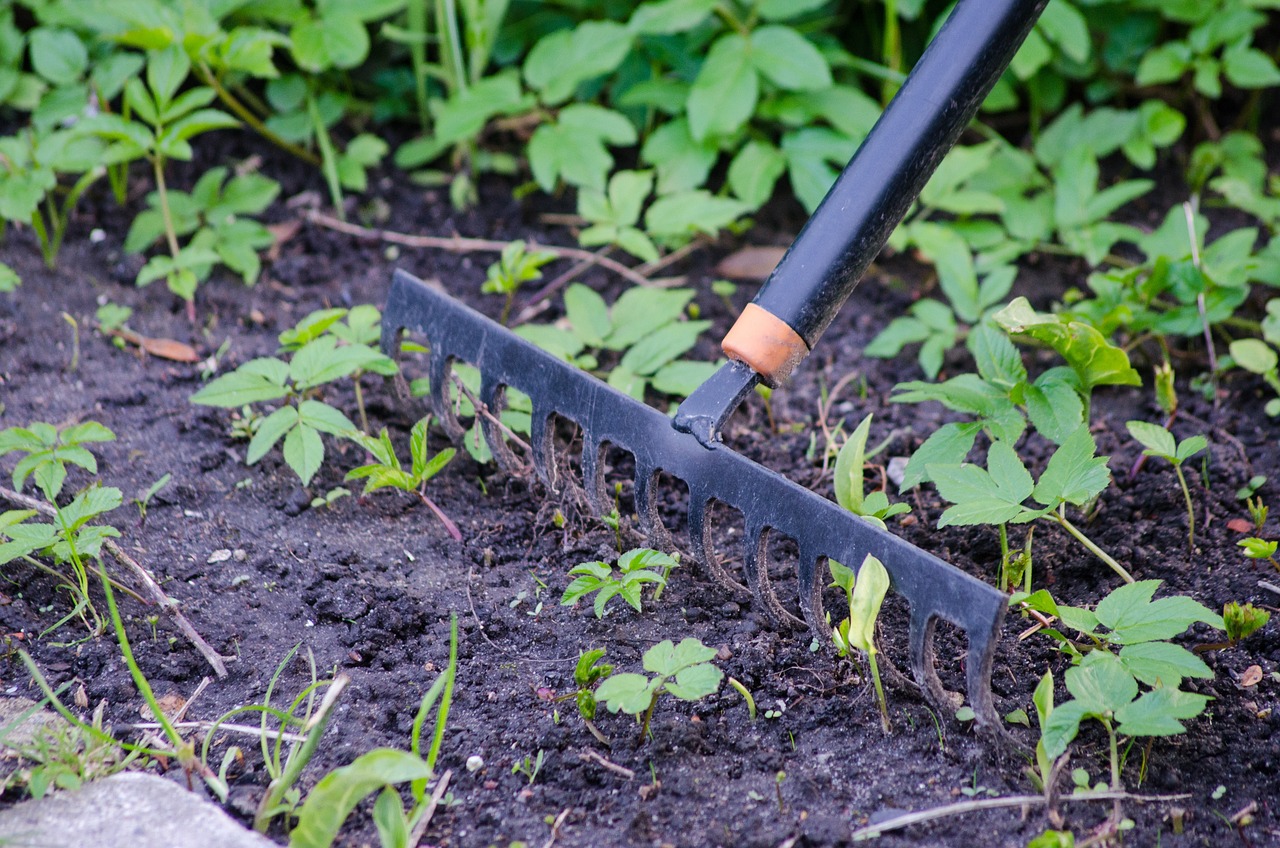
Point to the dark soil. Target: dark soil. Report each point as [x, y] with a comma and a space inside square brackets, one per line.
[367, 587]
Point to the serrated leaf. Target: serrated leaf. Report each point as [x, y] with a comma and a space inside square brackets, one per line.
[1133, 617]
[725, 91]
[631, 693]
[1061, 728]
[304, 452]
[997, 359]
[1095, 360]
[1055, 410]
[270, 431]
[587, 313]
[1157, 440]
[695, 682]
[788, 59]
[324, 418]
[1162, 663]
[983, 496]
[948, 445]
[1157, 712]
[1101, 684]
[243, 386]
[1074, 475]
[641, 311]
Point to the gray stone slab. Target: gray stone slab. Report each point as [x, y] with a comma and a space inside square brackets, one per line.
[130, 810]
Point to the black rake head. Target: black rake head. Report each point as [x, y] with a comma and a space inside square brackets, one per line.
[768, 502]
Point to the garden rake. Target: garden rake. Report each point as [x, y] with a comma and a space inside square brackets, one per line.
[773, 334]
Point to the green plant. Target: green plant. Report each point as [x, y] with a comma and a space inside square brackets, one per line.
[144, 499]
[1241, 621]
[1257, 357]
[1255, 548]
[587, 674]
[1159, 442]
[516, 266]
[31, 165]
[874, 507]
[317, 359]
[529, 766]
[865, 593]
[682, 670]
[166, 121]
[634, 569]
[380, 770]
[996, 494]
[385, 472]
[9, 280]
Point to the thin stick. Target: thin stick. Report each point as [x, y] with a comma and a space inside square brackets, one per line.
[594, 757]
[421, 827]
[458, 244]
[651, 268]
[873, 831]
[1271, 587]
[555, 827]
[245, 729]
[165, 602]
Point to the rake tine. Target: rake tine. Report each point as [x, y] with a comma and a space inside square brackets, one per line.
[593, 473]
[439, 371]
[703, 551]
[811, 594]
[756, 566]
[492, 395]
[543, 450]
[923, 624]
[646, 497]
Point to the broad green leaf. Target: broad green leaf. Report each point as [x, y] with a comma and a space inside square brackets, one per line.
[87, 505]
[565, 59]
[954, 261]
[1254, 356]
[1095, 360]
[270, 431]
[587, 312]
[324, 418]
[1157, 712]
[695, 682]
[681, 378]
[1191, 446]
[1162, 663]
[390, 820]
[997, 359]
[573, 148]
[682, 215]
[788, 59]
[58, 55]
[682, 163]
[869, 589]
[304, 452]
[754, 172]
[1157, 440]
[240, 387]
[666, 658]
[662, 346]
[1061, 728]
[783, 10]
[725, 91]
[1074, 474]
[628, 692]
[322, 361]
[990, 496]
[948, 445]
[337, 794]
[1133, 617]
[1101, 683]
[640, 311]
[1078, 618]
[1043, 699]
[335, 39]
[1248, 67]
[1054, 408]
[669, 16]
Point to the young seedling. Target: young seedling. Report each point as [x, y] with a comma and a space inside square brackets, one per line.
[683, 670]
[995, 495]
[1255, 548]
[385, 472]
[529, 766]
[1159, 442]
[1243, 621]
[874, 507]
[635, 568]
[516, 266]
[865, 593]
[144, 500]
[587, 675]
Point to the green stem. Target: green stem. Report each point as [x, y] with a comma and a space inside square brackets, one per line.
[1116, 785]
[328, 157]
[37, 224]
[1088, 543]
[1191, 512]
[891, 49]
[416, 21]
[364, 420]
[726, 14]
[170, 234]
[746, 695]
[245, 114]
[451, 45]
[1004, 558]
[648, 714]
[875, 680]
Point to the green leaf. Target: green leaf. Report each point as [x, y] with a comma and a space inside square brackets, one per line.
[682, 163]
[682, 215]
[58, 55]
[869, 589]
[88, 505]
[337, 794]
[666, 658]
[662, 346]
[992, 496]
[997, 359]
[304, 452]
[389, 819]
[848, 471]
[9, 280]
[243, 386]
[1191, 446]
[1157, 712]
[1133, 617]
[573, 148]
[695, 682]
[1254, 356]
[270, 431]
[788, 59]
[1101, 683]
[1074, 474]
[1248, 67]
[948, 445]
[565, 59]
[1055, 410]
[1061, 728]
[1157, 440]
[1162, 663]
[628, 692]
[335, 39]
[754, 172]
[1095, 360]
[725, 91]
[669, 16]
[321, 361]
[324, 418]
[641, 311]
[681, 378]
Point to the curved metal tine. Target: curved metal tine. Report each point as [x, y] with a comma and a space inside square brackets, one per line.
[542, 445]
[440, 369]
[493, 396]
[756, 566]
[811, 594]
[703, 550]
[646, 498]
[978, 663]
[593, 474]
[923, 668]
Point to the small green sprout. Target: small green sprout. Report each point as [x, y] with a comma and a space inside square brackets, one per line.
[1255, 548]
[517, 265]
[874, 507]
[1159, 442]
[329, 498]
[683, 670]
[144, 500]
[587, 675]
[385, 472]
[1243, 621]
[529, 766]
[635, 567]
[865, 593]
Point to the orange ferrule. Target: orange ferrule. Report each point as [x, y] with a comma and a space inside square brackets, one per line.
[765, 342]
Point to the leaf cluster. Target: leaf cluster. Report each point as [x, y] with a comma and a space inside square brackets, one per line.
[634, 570]
[684, 671]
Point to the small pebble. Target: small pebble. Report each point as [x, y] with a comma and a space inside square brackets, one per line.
[220, 555]
[475, 763]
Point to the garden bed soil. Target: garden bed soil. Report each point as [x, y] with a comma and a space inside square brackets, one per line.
[367, 586]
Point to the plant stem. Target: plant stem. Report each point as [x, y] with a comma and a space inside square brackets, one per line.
[364, 420]
[875, 679]
[1088, 543]
[1191, 513]
[1004, 558]
[454, 532]
[648, 714]
[328, 157]
[742, 690]
[243, 113]
[1116, 785]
